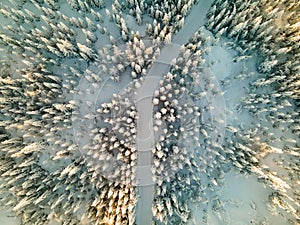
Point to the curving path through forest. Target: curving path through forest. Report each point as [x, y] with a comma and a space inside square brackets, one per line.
[145, 134]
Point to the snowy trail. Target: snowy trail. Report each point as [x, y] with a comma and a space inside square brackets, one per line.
[145, 135]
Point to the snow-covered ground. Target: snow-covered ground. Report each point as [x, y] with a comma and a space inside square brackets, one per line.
[244, 198]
